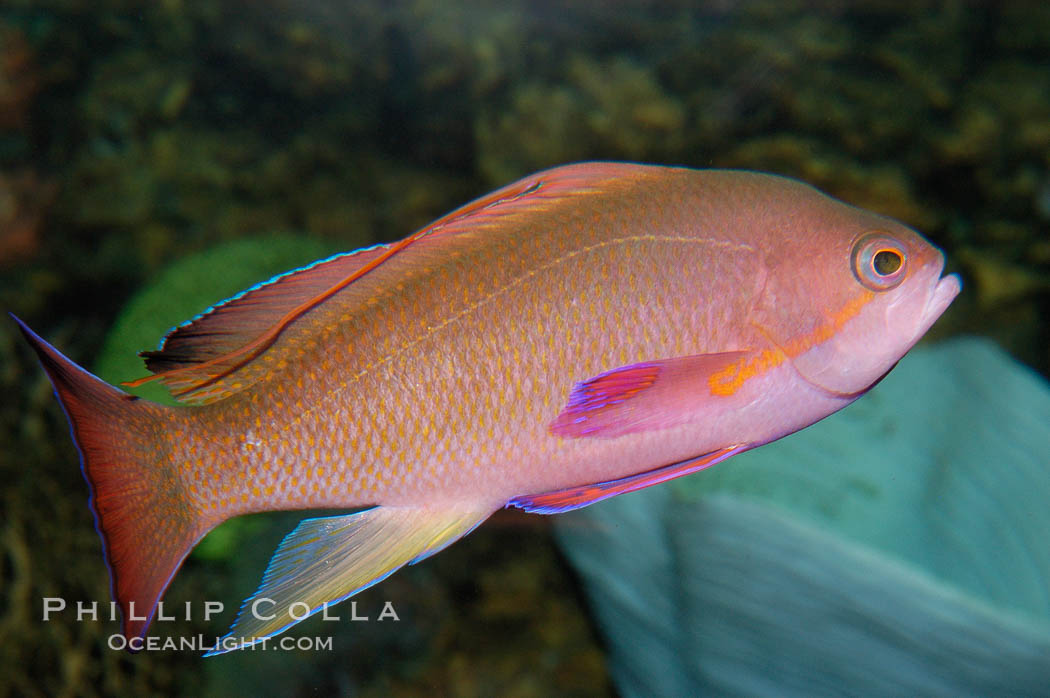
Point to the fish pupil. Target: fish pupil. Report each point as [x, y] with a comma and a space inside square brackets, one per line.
[886, 262]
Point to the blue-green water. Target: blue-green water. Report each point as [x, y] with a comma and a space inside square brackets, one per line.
[134, 135]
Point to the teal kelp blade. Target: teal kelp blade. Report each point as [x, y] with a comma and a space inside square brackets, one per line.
[896, 548]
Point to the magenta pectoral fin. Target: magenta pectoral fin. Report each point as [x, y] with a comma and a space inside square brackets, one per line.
[642, 396]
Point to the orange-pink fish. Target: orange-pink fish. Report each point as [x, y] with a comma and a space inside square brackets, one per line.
[584, 332]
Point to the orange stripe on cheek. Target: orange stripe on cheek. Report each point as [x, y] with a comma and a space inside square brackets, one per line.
[728, 380]
[824, 332]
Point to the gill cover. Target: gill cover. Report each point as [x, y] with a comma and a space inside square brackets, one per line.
[844, 315]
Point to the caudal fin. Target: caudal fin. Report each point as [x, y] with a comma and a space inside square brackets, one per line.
[141, 513]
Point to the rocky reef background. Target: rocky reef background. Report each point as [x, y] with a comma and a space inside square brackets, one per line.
[134, 134]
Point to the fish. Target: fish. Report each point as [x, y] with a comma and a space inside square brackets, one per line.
[586, 331]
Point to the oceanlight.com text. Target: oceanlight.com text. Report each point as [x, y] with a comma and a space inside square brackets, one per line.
[200, 643]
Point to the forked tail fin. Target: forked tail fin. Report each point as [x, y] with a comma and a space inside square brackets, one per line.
[146, 524]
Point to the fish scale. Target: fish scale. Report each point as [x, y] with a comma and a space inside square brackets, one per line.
[584, 332]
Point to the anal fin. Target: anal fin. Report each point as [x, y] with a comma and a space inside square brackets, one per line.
[578, 497]
[326, 560]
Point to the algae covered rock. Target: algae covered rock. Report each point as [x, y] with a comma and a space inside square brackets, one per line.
[613, 109]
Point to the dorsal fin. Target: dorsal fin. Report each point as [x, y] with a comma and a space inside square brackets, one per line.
[195, 358]
[238, 320]
[194, 355]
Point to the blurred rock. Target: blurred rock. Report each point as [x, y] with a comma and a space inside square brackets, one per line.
[19, 77]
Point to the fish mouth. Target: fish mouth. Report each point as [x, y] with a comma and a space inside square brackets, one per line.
[921, 302]
[942, 292]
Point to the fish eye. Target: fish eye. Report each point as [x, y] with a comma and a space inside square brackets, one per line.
[885, 262]
[879, 261]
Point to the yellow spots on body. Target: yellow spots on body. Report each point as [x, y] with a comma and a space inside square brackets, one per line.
[268, 490]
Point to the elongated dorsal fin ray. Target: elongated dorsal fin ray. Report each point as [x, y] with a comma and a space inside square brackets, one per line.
[327, 560]
[197, 360]
[236, 321]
